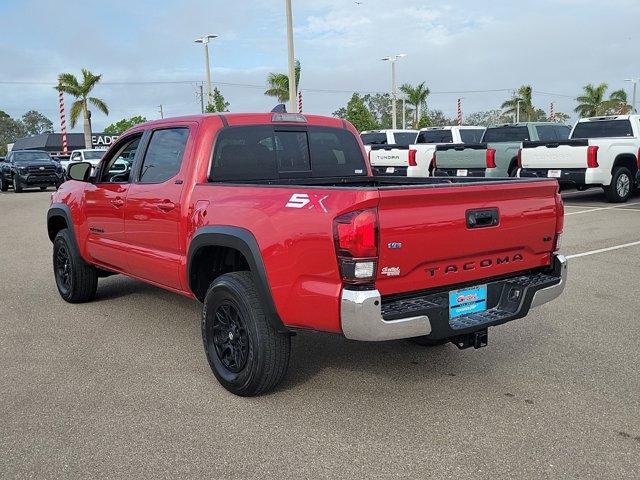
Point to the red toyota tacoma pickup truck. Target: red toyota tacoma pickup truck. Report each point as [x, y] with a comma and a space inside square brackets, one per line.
[275, 223]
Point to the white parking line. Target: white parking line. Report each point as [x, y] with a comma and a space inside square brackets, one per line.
[602, 250]
[602, 208]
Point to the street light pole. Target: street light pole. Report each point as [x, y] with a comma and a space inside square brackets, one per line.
[394, 93]
[292, 63]
[518, 111]
[205, 41]
[633, 98]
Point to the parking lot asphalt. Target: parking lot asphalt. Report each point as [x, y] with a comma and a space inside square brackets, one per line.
[120, 387]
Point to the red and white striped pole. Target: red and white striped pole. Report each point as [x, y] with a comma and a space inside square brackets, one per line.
[459, 116]
[300, 102]
[63, 122]
[552, 113]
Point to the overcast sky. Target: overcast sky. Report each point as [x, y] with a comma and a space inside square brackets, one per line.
[457, 47]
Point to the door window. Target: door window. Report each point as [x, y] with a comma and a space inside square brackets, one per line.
[164, 155]
[117, 166]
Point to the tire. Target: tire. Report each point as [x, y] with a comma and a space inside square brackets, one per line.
[17, 186]
[77, 281]
[621, 186]
[246, 354]
[513, 170]
[4, 185]
[429, 342]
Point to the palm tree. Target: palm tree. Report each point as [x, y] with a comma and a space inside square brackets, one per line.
[619, 103]
[69, 84]
[279, 84]
[592, 102]
[522, 96]
[416, 97]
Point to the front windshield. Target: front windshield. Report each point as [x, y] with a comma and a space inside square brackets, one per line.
[19, 157]
[94, 154]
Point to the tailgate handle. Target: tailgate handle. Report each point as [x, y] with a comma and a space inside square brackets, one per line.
[482, 218]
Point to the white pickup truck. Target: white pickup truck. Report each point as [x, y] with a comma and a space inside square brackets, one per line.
[416, 160]
[601, 152]
[93, 156]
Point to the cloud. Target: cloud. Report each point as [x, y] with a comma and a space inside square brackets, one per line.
[557, 46]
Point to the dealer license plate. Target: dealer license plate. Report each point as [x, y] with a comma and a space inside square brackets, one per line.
[554, 173]
[462, 173]
[468, 300]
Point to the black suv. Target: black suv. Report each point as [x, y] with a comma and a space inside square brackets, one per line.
[30, 168]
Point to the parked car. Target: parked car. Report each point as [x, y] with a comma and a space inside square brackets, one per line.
[29, 168]
[602, 152]
[388, 137]
[416, 160]
[497, 155]
[93, 156]
[275, 223]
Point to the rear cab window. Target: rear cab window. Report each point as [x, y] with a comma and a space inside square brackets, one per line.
[374, 138]
[435, 136]
[506, 134]
[471, 135]
[602, 129]
[264, 152]
[549, 133]
[404, 139]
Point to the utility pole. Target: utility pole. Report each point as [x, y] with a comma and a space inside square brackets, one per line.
[292, 63]
[161, 112]
[205, 41]
[404, 112]
[201, 98]
[518, 111]
[633, 98]
[394, 92]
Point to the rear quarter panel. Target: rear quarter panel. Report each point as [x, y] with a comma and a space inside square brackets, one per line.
[296, 243]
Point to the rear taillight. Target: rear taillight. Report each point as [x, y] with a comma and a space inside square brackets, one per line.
[592, 156]
[491, 158]
[638, 159]
[559, 221]
[519, 158]
[356, 239]
[434, 163]
[412, 158]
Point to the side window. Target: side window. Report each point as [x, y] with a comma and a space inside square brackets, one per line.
[117, 166]
[75, 157]
[163, 157]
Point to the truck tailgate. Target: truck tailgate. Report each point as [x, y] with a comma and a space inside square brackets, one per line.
[426, 241]
[459, 156]
[389, 156]
[556, 155]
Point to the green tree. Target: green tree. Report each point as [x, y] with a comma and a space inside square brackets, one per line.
[279, 84]
[218, 104]
[524, 97]
[35, 123]
[435, 118]
[358, 114]
[416, 97]
[124, 124]
[593, 101]
[486, 118]
[10, 131]
[69, 84]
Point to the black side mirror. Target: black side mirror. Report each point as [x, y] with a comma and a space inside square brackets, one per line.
[79, 171]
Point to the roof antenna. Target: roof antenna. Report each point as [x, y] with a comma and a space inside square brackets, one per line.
[280, 108]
